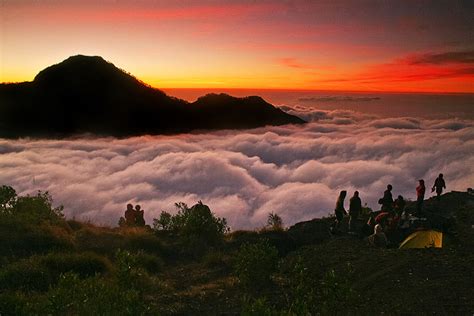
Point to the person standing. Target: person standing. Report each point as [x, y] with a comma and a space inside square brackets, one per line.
[139, 219]
[439, 185]
[355, 208]
[420, 196]
[387, 200]
[130, 215]
[340, 211]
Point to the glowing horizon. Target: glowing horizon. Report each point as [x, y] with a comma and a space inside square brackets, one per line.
[322, 45]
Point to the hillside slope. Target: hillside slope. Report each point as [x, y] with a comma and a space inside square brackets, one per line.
[138, 271]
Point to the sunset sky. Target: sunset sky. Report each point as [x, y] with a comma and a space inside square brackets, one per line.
[324, 45]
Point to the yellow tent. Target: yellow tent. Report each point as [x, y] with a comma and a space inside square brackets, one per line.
[423, 239]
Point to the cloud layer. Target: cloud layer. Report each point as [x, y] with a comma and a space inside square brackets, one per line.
[243, 175]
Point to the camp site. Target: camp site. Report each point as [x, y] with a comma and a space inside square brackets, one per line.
[191, 264]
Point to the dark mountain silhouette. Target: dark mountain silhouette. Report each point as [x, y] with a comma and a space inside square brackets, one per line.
[86, 94]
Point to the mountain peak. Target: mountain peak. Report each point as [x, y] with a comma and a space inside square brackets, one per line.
[87, 94]
[81, 66]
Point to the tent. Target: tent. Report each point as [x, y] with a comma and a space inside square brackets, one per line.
[423, 239]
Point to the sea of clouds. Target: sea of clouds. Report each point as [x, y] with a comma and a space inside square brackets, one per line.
[294, 171]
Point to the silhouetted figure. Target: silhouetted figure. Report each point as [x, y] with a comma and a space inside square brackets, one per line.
[420, 196]
[340, 211]
[130, 215]
[439, 185]
[355, 208]
[378, 238]
[139, 219]
[387, 200]
[399, 205]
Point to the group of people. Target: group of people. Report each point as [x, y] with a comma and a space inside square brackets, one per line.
[133, 216]
[392, 215]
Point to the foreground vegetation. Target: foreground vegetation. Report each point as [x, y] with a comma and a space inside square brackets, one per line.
[190, 264]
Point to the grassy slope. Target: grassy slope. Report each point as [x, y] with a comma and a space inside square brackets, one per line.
[181, 280]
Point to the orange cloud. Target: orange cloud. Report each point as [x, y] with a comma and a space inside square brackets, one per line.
[294, 63]
[408, 72]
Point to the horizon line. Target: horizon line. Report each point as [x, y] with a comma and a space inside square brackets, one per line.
[294, 89]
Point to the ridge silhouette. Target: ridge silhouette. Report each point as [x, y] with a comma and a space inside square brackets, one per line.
[86, 94]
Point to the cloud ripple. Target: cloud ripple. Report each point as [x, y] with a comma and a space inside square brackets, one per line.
[295, 171]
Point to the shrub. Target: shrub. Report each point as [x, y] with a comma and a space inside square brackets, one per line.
[303, 284]
[27, 275]
[82, 264]
[139, 239]
[164, 222]
[75, 224]
[30, 209]
[258, 307]
[23, 239]
[195, 223]
[129, 274]
[92, 296]
[148, 262]
[255, 263]
[215, 258]
[99, 240]
[274, 221]
[38, 273]
[7, 198]
[336, 292]
[14, 303]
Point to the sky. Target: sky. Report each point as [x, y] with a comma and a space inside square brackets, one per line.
[414, 46]
[294, 171]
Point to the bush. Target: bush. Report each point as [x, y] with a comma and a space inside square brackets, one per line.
[147, 262]
[92, 296]
[99, 240]
[303, 285]
[38, 273]
[23, 239]
[274, 221]
[7, 198]
[26, 275]
[164, 222]
[336, 292]
[215, 258]
[258, 307]
[14, 303]
[29, 209]
[195, 223]
[143, 240]
[255, 263]
[131, 272]
[82, 264]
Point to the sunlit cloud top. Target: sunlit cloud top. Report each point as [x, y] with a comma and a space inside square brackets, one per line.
[342, 45]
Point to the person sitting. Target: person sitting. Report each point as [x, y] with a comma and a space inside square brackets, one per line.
[399, 205]
[139, 219]
[378, 238]
[130, 216]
